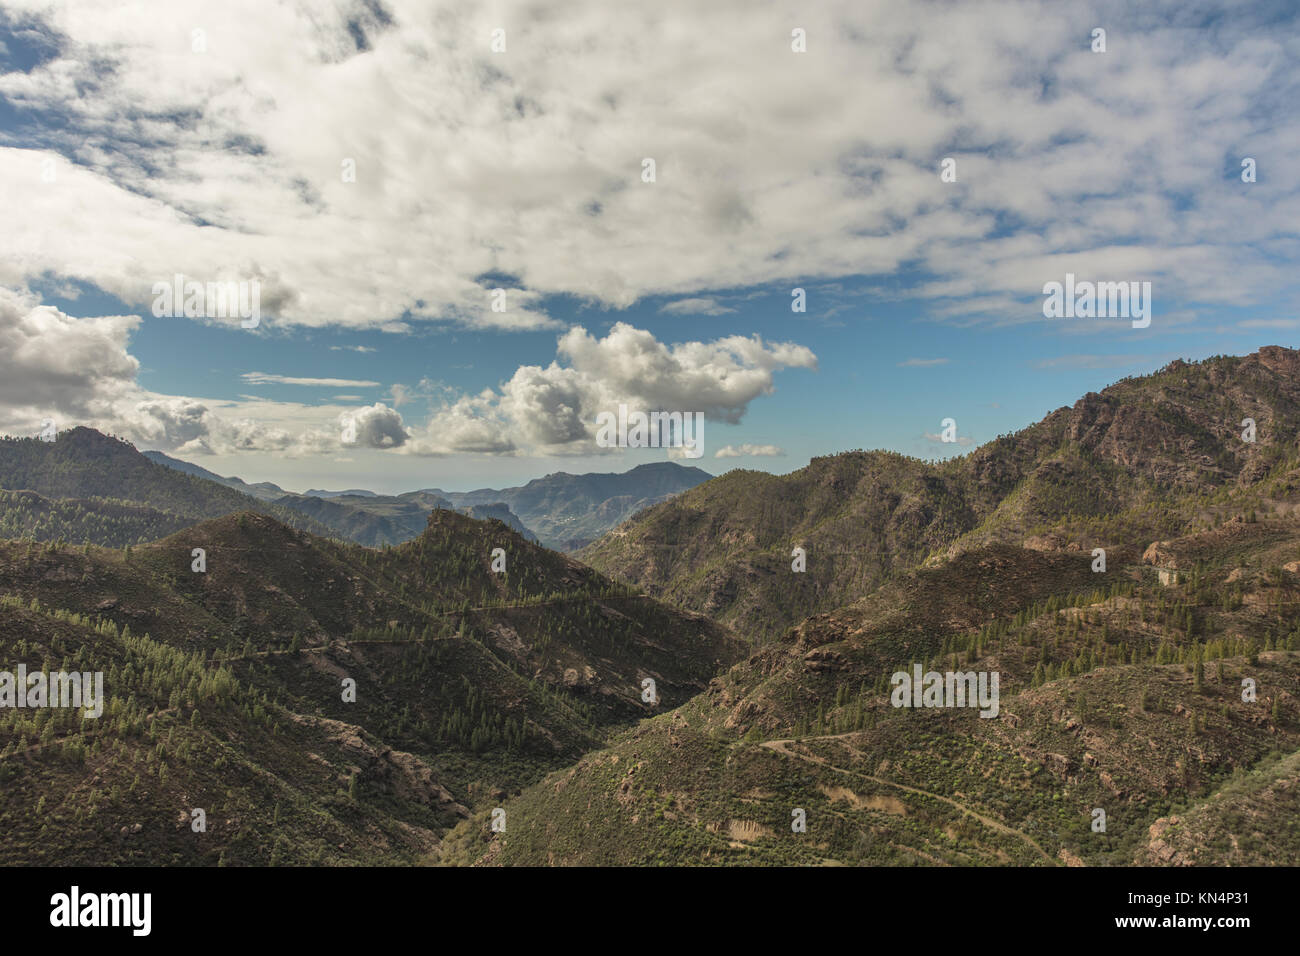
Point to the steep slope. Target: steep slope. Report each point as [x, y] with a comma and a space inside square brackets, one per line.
[1117, 693]
[469, 682]
[25, 514]
[90, 476]
[262, 490]
[179, 734]
[1139, 460]
[498, 512]
[357, 519]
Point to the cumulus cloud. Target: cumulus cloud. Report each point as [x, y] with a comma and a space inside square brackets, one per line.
[52, 360]
[746, 449]
[78, 371]
[553, 410]
[374, 426]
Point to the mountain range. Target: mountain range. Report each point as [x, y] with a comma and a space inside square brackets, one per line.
[563, 511]
[713, 681]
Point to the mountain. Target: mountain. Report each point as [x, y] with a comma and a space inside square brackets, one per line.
[1162, 692]
[568, 511]
[562, 511]
[226, 688]
[381, 520]
[262, 490]
[25, 514]
[86, 486]
[1105, 703]
[499, 512]
[373, 521]
[1140, 459]
[1128, 569]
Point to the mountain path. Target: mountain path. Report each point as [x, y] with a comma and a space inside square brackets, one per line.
[782, 747]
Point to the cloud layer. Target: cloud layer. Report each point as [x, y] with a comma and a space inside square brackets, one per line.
[230, 153]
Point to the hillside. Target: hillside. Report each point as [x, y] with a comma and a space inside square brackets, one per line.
[1140, 460]
[91, 487]
[470, 683]
[1117, 693]
[262, 490]
[371, 521]
[27, 515]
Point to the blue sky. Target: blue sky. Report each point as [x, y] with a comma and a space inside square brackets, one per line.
[200, 141]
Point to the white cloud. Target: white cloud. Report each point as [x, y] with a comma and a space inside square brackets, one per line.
[553, 410]
[702, 306]
[78, 371]
[228, 164]
[53, 361]
[923, 363]
[376, 426]
[263, 378]
[756, 451]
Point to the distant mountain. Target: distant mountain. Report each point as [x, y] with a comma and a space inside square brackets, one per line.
[498, 512]
[568, 511]
[262, 490]
[562, 511]
[88, 486]
[374, 521]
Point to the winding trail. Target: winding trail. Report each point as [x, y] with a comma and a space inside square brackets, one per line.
[783, 748]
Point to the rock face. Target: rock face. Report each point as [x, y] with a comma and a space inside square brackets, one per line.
[1047, 542]
[1157, 554]
[403, 774]
[1160, 851]
[499, 511]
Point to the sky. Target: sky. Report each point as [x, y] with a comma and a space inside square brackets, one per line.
[473, 227]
